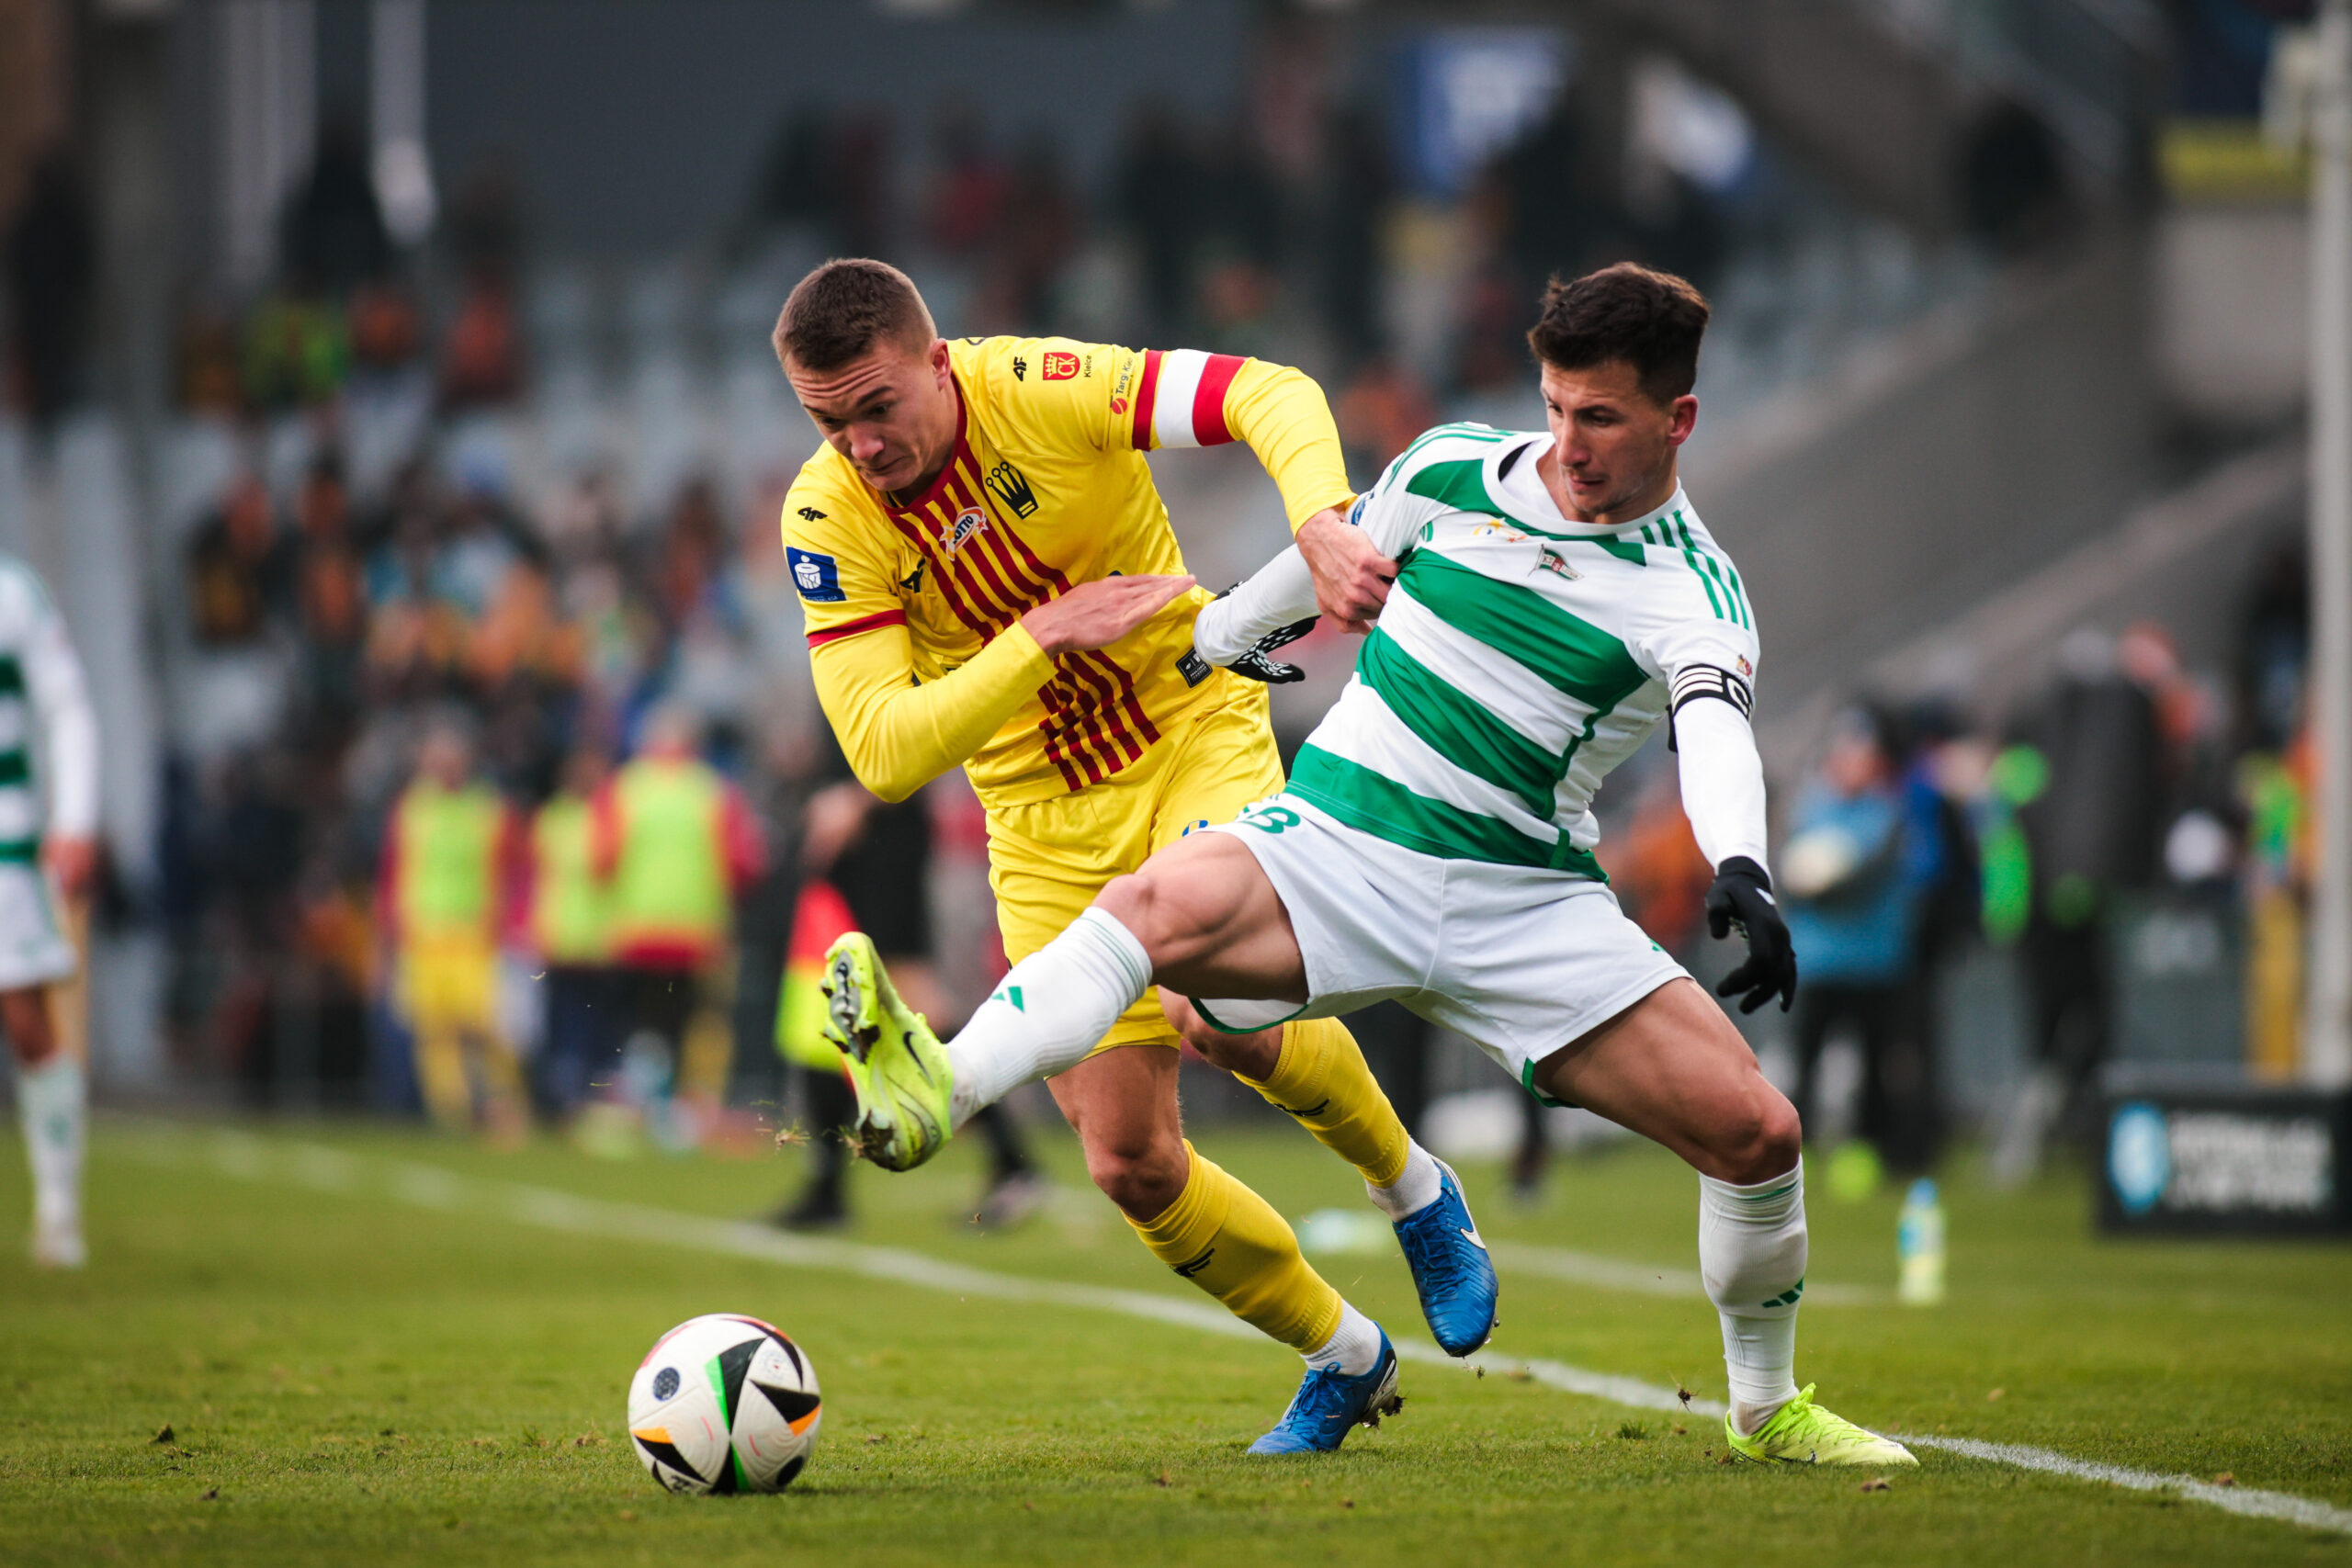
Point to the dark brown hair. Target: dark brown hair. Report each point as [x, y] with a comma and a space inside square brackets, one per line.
[1653, 320]
[844, 308]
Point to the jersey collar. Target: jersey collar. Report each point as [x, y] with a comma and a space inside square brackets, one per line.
[938, 486]
[1548, 518]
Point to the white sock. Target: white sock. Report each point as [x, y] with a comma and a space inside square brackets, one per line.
[53, 1105]
[1353, 1347]
[1752, 1256]
[1415, 1188]
[1054, 1007]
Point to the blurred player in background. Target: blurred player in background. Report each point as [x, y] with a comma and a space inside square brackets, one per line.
[42, 694]
[676, 845]
[449, 850]
[991, 580]
[865, 865]
[568, 929]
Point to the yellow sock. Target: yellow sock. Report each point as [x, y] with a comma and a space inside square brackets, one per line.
[1229, 1242]
[1322, 1080]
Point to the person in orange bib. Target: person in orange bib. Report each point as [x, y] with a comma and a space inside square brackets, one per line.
[989, 581]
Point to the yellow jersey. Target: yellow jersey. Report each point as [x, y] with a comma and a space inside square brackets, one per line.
[913, 611]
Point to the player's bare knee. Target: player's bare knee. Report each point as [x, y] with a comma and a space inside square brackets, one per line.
[1142, 1177]
[1762, 1140]
[1183, 1017]
[1133, 900]
[1212, 1042]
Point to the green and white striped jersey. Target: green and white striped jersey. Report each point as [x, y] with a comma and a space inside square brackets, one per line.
[43, 706]
[1519, 658]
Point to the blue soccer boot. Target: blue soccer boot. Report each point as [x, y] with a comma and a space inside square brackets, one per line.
[1451, 1268]
[1330, 1402]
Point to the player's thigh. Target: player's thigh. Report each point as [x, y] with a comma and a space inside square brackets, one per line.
[1672, 1068]
[1208, 916]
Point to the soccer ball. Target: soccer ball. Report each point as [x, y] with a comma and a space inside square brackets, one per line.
[724, 1403]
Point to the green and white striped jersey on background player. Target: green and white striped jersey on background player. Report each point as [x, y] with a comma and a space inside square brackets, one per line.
[1520, 655]
[47, 733]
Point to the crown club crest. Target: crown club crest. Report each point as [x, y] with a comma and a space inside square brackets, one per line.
[1009, 485]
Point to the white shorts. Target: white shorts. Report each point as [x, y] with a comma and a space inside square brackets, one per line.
[33, 946]
[1520, 960]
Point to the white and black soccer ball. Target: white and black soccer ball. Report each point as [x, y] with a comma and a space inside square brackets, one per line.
[724, 1403]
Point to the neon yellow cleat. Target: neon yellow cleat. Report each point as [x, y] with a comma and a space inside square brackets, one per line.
[1801, 1432]
[893, 1060]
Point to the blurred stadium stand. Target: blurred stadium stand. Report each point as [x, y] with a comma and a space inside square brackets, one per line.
[1999, 356]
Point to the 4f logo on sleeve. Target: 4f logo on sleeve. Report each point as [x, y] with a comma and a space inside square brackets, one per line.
[817, 577]
[1058, 367]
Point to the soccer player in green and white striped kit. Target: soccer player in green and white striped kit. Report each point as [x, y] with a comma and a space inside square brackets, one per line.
[1554, 599]
[49, 821]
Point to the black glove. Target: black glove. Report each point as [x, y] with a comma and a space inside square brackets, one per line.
[1255, 666]
[1742, 897]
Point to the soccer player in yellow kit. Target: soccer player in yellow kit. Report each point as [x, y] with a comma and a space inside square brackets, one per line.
[991, 580]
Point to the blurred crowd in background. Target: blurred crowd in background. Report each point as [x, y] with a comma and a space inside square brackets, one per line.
[438, 615]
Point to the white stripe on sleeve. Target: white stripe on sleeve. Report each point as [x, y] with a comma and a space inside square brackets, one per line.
[1171, 403]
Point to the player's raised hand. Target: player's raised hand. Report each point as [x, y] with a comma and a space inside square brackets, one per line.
[1351, 577]
[1096, 614]
[1742, 897]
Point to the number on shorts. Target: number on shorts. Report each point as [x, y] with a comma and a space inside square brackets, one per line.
[1269, 817]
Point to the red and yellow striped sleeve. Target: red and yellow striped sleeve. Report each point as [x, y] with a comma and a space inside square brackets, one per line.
[1187, 398]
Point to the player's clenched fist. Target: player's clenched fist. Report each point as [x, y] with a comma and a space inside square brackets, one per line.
[1351, 577]
[1096, 614]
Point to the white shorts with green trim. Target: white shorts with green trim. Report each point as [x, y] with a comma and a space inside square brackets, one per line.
[34, 950]
[1520, 960]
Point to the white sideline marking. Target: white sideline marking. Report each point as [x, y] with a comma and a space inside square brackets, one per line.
[1617, 1274]
[327, 1169]
[2251, 1501]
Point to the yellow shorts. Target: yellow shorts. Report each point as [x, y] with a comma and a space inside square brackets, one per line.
[1047, 860]
[449, 983]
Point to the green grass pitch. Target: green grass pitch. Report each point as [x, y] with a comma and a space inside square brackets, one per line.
[359, 1372]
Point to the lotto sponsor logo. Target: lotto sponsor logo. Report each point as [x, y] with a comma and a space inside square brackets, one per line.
[1057, 365]
[968, 522]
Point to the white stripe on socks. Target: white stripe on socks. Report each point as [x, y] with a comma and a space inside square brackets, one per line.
[1049, 1011]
